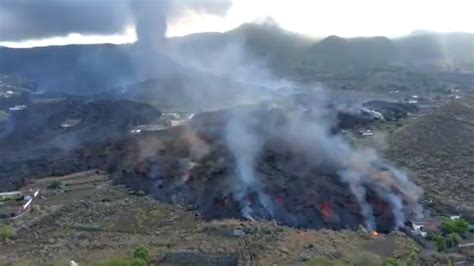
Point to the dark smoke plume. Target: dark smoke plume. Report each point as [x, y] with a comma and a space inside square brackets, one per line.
[33, 19]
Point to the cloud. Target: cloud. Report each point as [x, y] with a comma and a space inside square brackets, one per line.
[33, 19]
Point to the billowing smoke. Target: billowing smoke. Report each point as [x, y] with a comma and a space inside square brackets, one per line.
[246, 146]
[308, 136]
[151, 17]
[151, 20]
[354, 179]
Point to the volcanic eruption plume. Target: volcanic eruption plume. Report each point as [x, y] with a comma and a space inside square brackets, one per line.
[151, 22]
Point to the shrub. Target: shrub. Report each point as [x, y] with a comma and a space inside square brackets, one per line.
[435, 259]
[412, 259]
[453, 240]
[141, 252]
[55, 185]
[138, 262]
[7, 232]
[141, 257]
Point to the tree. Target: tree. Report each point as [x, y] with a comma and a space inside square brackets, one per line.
[440, 242]
[55, 185]
[141, 253]
[412, 259]
[459, 226]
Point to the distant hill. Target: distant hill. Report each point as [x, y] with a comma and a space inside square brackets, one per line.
[84, 69]
[261, 39]
[334, 51]
[267, 43]
[301, 58]
[451, 50]
[439, 148]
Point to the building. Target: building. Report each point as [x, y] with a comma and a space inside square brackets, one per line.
[455, 217]
[366, 133]
[425, 226]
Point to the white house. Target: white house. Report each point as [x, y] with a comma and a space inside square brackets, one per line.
[455, 217]
[366, 133]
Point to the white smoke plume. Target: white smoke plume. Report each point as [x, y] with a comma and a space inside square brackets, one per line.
[246, 146]
[311, 140]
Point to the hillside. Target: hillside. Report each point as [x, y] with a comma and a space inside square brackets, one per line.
[280, 46]
[77, 68]
[428, 49]
[439, 148]
[303, 59]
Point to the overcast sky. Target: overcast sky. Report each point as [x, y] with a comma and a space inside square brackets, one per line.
[25, 23]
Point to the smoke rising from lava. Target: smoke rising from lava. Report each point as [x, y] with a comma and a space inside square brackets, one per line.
[305, 131]
[246, 146]
[309, 137]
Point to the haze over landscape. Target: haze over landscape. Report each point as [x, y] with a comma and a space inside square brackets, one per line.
[189, 132]
[113, 21]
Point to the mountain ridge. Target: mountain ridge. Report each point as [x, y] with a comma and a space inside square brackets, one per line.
[289, 55]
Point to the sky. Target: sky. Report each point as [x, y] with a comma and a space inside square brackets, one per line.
[28, 23]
